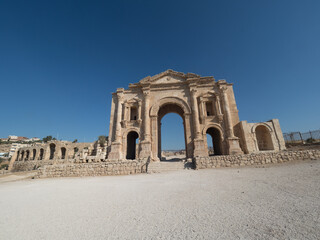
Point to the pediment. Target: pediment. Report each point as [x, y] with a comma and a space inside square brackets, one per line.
[166, 77]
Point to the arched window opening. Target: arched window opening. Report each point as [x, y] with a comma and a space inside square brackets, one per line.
[27, 155]
[63, 153]
[216, 140]
[132, 139]
[52, 150]
[34, 154]
[133, 113]
[18, 156]
[264, 138]
[41, 153]
[75, 150]
[22, 155]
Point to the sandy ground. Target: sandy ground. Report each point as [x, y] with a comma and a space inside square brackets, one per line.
[274, 202]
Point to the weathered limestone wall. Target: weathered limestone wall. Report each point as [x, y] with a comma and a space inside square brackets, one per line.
[92, 169]
[33, 165]
[254, 159]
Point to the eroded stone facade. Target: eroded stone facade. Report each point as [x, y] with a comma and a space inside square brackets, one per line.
[40, 154]
[206, 107]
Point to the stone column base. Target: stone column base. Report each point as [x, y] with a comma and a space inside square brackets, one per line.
[234, 146]
[199, 149]
[115, 153]
[145, 149]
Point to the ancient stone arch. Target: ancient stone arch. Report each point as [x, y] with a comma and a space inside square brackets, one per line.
[200, 101]
[263, 137]
[130, 144]
[253, 129]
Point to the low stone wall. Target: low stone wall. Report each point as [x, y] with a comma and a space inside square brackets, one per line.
[254, 159]
[35, 164]
[124, 167]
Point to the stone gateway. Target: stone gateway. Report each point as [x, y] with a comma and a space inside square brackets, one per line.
[206, 107]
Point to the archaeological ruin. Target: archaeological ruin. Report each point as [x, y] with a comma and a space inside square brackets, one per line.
[208, 109]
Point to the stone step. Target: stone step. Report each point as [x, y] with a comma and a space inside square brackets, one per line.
[156, 167]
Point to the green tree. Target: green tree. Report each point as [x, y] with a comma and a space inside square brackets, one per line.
[75, 141]
[102, 140]
[47, 139]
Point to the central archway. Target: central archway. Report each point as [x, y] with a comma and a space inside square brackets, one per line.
[163, 111]
[158, 111]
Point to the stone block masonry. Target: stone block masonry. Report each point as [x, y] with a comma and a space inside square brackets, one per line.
[92, 169]
[254, 159]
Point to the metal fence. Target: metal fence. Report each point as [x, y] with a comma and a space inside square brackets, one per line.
[299, 137]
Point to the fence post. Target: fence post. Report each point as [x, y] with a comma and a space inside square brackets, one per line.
[301, 137]
[311, 135]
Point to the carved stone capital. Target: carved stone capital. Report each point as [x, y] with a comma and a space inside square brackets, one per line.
[220, 117]
[146, 94]
[223, 89]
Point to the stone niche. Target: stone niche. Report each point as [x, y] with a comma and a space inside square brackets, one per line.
[207, 108]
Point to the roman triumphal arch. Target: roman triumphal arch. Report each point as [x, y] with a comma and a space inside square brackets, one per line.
[206, 106]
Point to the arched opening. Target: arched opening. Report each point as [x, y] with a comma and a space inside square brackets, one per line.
[22, 155]
[63, 153]
[52, 150]
[75, 150]
[171, 142]
[34, 152]
[216, 141]
[41, 153]
[27, 154]
[132, 141]
[209, 145]
[264, 138]
[18, 156]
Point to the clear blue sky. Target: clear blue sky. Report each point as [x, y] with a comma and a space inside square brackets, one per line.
[60, 60]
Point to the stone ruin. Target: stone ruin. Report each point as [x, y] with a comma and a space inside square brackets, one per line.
[206, 106]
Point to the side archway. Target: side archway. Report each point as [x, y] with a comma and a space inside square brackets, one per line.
[263, 137]
[217, 139]
[132, 137]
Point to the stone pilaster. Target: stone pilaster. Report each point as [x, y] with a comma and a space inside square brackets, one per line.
[199, 149]
[139, 111]
[145, 145]
[232, 141]
[195, 114]
[116, 146]
[218, 107]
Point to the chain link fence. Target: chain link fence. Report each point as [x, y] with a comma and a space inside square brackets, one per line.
[302, 138]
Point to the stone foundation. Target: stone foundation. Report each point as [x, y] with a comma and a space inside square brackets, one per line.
[73, 168]
[34, 165]
[254, 159]
[92, 169]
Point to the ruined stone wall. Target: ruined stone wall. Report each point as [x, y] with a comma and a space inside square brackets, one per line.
[34, 165]
[92, 169]
[254, 159]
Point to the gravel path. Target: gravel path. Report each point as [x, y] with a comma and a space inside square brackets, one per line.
[274, 202]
